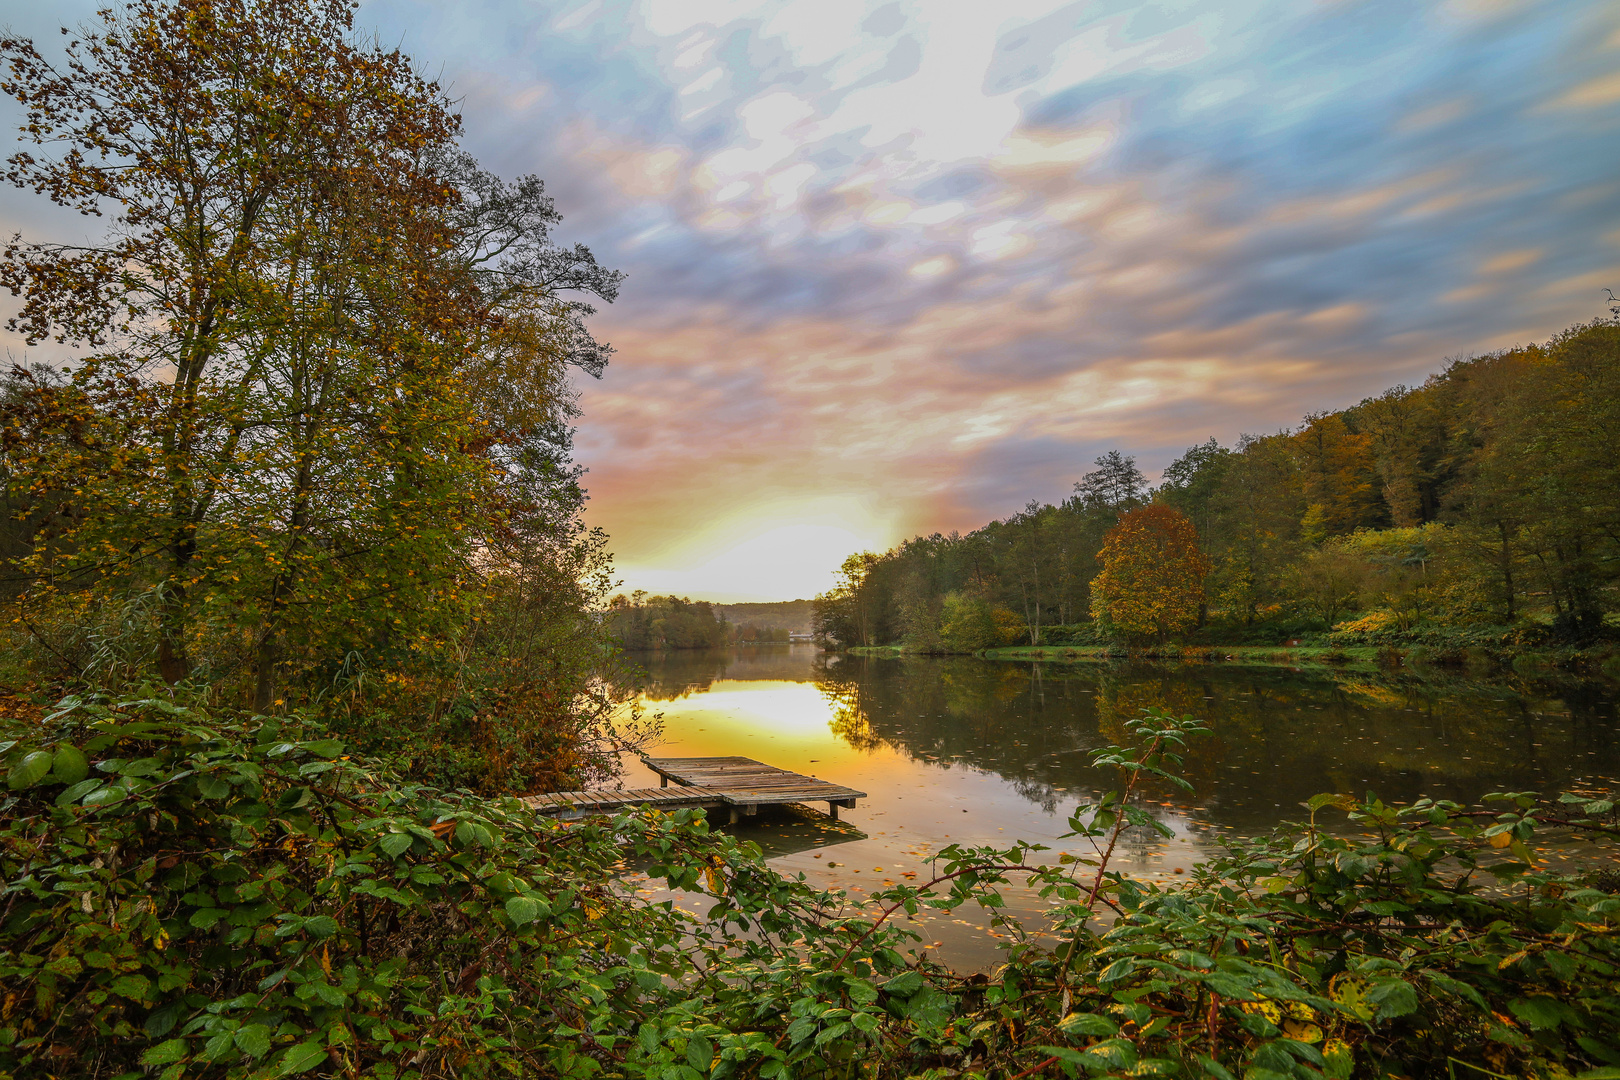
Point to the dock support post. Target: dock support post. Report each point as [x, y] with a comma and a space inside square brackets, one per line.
[663, 781]
[832, 810]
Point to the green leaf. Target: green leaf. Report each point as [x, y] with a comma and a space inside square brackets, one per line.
[69, 765]
[1393, 998]
[1076, 1025]
[699, 1053]
[1119, 969]
[136, 987]
[1228, 986]
[1537, 1011]
[326, 748]
[205, 918]
[253, 1040]
[522, 910]
[161, 1021]
[30, 770]
[216, 1047]
[164, 1053]
[1606, 1073]
[396, 844]
[106, 796]
[301, 1058]
[904, 984]
[213, 787]
[77, 791]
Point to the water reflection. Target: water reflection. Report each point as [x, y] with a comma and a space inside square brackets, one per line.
[962, 750]
[1279, 736]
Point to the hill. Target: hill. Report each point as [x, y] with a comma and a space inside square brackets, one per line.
[790, 615]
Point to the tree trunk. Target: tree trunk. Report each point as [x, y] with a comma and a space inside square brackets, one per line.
[1507, 570]
[264, 692]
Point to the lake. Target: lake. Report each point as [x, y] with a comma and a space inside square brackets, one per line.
[960, 750]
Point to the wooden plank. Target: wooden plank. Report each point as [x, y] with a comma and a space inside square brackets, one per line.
[706, 781]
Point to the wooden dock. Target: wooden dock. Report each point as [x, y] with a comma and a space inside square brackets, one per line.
[742, 784]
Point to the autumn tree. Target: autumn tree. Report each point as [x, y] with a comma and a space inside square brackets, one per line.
[317, 394]
[1151, 582]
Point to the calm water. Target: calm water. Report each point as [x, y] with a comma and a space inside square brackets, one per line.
[974, 751]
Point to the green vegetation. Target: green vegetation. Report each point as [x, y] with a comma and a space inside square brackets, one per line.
[1240, 654]
[639, 621]
[196, 895]
[1476, 511]
[313, 449]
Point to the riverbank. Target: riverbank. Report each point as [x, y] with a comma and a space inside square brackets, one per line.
[1603, 661]
[1277, 656]
[1360, 657]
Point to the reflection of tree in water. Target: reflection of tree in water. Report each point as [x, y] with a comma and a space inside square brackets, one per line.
[678, 673]
[1279, 736]
[986, 716]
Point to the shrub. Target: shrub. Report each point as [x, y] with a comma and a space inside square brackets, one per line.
[218, 898]
[198, 897]
[966, 624]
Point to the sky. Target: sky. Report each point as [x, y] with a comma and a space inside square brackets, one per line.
[898, 268]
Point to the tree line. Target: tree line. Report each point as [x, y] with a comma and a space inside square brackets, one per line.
[1486, 499]
[642, 622]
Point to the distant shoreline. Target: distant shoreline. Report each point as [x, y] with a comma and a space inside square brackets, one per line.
[1362, 657]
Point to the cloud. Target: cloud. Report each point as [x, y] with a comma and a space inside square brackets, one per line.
[905, 266]
[1592, 94]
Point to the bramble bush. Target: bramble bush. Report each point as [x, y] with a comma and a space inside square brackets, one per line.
[190, 895]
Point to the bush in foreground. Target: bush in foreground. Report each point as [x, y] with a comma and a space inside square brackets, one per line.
[210, 897]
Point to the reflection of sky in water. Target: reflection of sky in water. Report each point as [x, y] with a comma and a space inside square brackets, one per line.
[973, 752]
[914, 806]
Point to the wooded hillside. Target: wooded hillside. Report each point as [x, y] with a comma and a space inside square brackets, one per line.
[1487, 497]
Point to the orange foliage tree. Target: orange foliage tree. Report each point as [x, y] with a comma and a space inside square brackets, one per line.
[1152, 578]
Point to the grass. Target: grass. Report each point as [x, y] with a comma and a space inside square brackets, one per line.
[1277, 656]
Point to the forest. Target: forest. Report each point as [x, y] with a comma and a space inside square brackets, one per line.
[1482, 506]
[638, 622]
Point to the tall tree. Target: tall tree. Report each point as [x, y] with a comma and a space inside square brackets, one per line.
[319, 349]
[1116, 484]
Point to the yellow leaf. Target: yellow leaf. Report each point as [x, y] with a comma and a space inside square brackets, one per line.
[1350, 992]
[1303, 1032]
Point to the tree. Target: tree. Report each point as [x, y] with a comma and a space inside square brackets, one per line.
[319, 391]
[1116, 484]
[1151, 583]
[1191, 482]
[1327, 581]
[966, 624]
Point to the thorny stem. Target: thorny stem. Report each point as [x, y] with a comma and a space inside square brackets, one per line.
[1048, 1063]
[1120, 822]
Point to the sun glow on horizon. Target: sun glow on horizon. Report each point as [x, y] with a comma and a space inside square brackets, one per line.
[773, 561]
